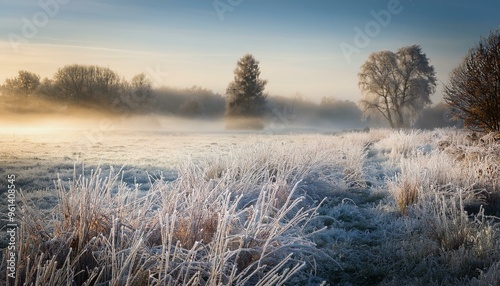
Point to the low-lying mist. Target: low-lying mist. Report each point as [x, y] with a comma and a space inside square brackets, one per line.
[22, 123]
[103, 122]
[186, 114]
[136, 106]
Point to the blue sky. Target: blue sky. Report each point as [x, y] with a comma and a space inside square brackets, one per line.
[181, 43]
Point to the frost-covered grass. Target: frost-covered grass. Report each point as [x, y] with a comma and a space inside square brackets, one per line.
[378, 208]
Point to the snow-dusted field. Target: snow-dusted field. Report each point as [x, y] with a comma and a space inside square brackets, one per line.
[378, 208]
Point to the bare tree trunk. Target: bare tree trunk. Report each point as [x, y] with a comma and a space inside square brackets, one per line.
[389, 115]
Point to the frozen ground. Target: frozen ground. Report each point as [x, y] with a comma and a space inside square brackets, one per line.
[383, 207]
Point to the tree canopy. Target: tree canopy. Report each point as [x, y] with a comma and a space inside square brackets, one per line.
[245, 94]
[87, 83]
[473, 91]
[397, 85]
[25, 84]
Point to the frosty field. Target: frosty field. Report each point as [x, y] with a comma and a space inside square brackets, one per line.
[381, 207]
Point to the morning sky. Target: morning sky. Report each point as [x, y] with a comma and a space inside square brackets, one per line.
[314, 48]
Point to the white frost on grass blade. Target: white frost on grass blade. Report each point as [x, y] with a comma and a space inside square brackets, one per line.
[384, 207]
[205, 236]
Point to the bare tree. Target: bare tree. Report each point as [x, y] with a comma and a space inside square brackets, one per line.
[339, 111]
[141, 91]
[103, 83]
[70, 81]
[141, 87]
[25, 84]
[397, 85]
[87, 83]
[473, 91]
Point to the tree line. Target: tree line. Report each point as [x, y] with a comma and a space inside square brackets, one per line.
[395, 86]
[101, 88]
[104, 89]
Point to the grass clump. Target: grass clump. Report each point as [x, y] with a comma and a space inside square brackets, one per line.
[185, 232]
[406, 194]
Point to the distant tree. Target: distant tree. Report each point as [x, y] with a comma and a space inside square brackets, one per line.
[70, 82]
[327, 100]
[87, 83]
[191, 108]
[284, 110]
[197, 90]
[138, 94]
[25, 84]
[473, 91]
[343, 111]
[132, 97]
[201, 102]
[141, 87]
[211, 104]
[104, 84]
[397, 85]
[172, 101]
[47, 89]
[245, 94]
[435, 116]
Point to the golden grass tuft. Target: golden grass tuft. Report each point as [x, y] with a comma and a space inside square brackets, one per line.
[407, 195]
[198, 228]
